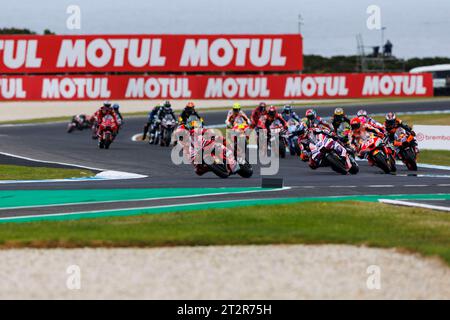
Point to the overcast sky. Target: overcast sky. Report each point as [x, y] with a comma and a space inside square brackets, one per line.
[416, 27]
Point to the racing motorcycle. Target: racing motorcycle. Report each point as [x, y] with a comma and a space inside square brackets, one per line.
[106, 132]
[292, 139]
[326, 150]
[275, 129]
[344, 134]
[405, 148]
[240, 132]
[156, 129]
[78, 122]
[375, 150]
[167, 127]
[216, 157]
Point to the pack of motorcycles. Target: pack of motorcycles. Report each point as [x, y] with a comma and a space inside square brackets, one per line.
[319, 146]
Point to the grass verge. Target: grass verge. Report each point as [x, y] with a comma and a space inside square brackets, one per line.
[355, 223]
[437, 157]
[11, 172]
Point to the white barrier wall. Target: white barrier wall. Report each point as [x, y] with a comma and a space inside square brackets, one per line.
[433, 137]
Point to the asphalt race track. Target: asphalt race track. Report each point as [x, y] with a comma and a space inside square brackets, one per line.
[50, 142]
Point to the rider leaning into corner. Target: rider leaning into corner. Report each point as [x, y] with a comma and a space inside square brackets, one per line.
[151, 117]
[234, 114]
[361, 130]
[100, 114]
[392, 123]
[199, 141]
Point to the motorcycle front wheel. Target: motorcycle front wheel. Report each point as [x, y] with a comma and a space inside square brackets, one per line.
[219, 170]
[409, 158]
[336, 163]
[245, 170]
[382, 162]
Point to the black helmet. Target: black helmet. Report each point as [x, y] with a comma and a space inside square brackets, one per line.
[167, 104]
[287, 109]
[391, 117]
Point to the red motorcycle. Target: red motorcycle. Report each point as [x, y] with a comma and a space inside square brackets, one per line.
[216, 157]
[275, 129]
[106, 132]
[374, 149]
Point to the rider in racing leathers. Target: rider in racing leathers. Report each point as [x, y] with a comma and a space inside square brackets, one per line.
[188, 111]
[106, 110]
[392, 123]
[287, 113]
[363, 116]
[257, 113]
[339, 117]
[199, 140]
[301, 132]
[234, 114]
[273, 115]
[150, 121]
[165, 109]
[312, 120]
[361, 130]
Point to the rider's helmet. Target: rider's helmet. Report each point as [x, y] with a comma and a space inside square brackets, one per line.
[166, 104]
[272, 111]
[391, 117]
[116, 107]
[355, 123]
[339, 112]
[287, 109]
[362, 113]
[189, 108]
[262, 106]
[106, 107]
[236, 107]
[311, 114]
[338, 115]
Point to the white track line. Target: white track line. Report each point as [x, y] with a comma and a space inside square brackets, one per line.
[414, 204]
[145, 199]
[103, 175]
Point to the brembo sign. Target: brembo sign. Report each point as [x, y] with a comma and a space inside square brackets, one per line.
[289, 86]
[150, 53]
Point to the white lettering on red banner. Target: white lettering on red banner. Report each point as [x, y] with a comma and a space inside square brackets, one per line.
[150, 53]
[290, 87]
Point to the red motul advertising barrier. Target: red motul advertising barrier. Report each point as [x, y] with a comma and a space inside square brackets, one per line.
[290, 87]
[150, 53]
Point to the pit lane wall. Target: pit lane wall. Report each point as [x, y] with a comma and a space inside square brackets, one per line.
[257, 87]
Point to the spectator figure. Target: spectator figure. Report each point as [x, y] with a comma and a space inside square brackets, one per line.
[376, 52]
[387, 49]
